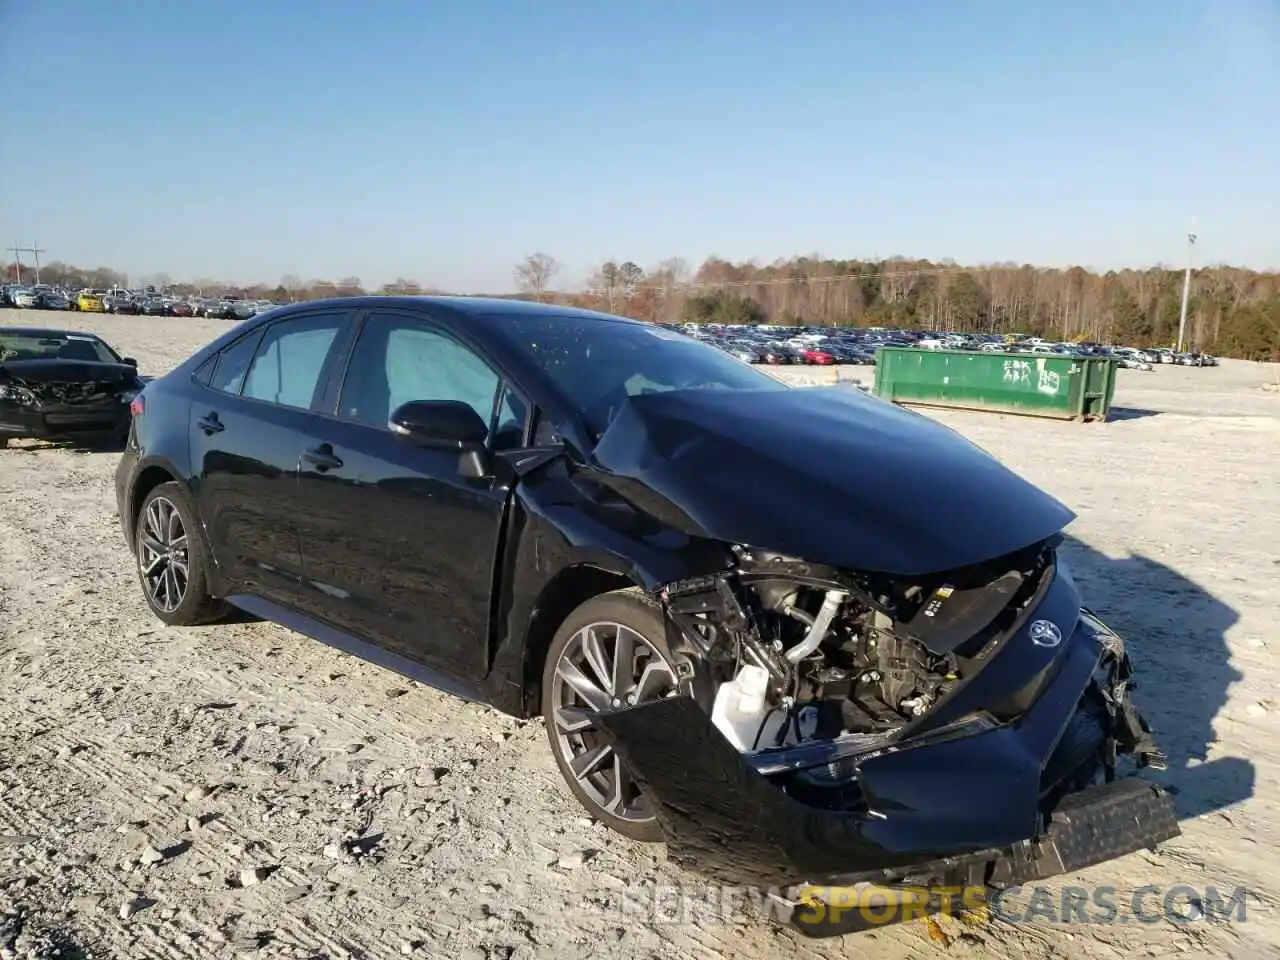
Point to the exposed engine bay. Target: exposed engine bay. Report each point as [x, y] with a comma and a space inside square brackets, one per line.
[62, 393]
[790, 653]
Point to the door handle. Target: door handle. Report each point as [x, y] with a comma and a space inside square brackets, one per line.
[210, 424]
[322, 458]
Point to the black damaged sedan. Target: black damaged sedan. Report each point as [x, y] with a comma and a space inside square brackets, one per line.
[746, 638]
[60, 385]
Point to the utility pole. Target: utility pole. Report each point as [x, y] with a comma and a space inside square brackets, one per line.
[35, 251]
[1186, 291]
[18, 251]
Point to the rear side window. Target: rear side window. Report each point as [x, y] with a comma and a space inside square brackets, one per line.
[289, 365]
[233, 364]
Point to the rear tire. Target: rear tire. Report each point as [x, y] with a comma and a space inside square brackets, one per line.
[582, 668]
[172, 559]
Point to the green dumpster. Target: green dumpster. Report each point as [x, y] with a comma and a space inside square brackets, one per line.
[1042, 385]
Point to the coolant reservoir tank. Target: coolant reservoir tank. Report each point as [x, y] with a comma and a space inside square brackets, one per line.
[742, 713]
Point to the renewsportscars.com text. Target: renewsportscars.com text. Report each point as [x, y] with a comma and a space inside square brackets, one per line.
[675, 904]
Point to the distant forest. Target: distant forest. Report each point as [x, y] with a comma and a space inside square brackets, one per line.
[1232, 311]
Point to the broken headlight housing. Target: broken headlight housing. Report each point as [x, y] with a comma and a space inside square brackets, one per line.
[19, 395]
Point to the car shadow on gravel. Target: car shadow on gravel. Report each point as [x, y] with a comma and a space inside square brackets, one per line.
[1131, 413]
[236, 615]
[1175, 631]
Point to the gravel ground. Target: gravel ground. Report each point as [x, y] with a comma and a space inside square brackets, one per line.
[240, 790]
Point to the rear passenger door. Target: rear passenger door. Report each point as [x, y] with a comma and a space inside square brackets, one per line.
[399, 548]
[248, 431]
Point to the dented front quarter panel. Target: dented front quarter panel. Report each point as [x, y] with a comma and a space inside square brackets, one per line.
[558, 521]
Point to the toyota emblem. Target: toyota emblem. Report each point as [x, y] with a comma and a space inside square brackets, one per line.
[1045, 633]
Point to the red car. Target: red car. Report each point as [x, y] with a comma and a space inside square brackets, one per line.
[181, 309]
[819, 357]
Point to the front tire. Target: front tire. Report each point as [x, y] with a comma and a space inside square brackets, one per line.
[173, 559]
[611, 652]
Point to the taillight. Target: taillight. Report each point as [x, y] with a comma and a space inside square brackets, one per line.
[136, 406]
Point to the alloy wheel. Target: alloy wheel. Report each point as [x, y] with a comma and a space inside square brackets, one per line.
[162, 555]
[605, 666]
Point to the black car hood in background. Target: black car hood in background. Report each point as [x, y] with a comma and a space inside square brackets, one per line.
[827, 475]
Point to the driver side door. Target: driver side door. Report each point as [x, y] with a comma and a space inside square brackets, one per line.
[398, 548]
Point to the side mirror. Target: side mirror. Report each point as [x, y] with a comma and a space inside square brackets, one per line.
[130, 361]
[444, 425]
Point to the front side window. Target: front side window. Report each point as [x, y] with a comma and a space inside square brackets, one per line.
[399, 359]
[290, 362]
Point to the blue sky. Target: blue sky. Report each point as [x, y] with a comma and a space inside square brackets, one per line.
[444, 140]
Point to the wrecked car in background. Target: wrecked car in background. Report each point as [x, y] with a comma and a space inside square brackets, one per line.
[745, 637]
[57, 385]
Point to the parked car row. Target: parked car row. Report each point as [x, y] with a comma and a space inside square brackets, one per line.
[1129, 357]
[230, 308]
[823, 346]
[134, 302]
[38, 297]
[807, 346]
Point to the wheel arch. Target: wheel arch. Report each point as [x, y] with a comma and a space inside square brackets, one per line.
[148, 479]
[565, 592]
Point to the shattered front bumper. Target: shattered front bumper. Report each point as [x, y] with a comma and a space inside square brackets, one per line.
[965, 808]
[56, 421]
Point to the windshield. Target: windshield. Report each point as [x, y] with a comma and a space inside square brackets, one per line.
[54, 346]
[598, 363]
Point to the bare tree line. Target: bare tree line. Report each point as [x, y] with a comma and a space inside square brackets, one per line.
[1232, 311]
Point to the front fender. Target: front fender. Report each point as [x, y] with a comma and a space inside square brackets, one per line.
[556, 526]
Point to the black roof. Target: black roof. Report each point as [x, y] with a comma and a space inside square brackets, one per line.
[468, 306]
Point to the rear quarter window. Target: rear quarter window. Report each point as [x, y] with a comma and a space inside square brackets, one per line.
[205, 371]
[227, 375]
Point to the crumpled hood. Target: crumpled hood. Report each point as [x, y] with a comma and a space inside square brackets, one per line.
[828, 475]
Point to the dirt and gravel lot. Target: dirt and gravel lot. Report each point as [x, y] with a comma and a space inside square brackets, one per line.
[240, 790]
